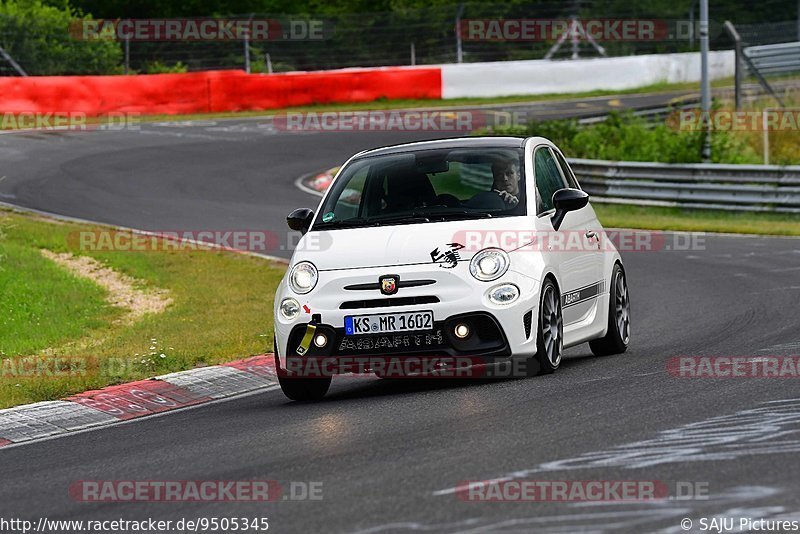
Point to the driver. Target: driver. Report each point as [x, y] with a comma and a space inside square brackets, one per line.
[506, 181]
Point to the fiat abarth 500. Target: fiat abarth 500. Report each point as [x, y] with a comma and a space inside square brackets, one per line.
[481, 249]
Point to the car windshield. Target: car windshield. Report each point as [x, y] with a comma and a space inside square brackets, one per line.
[426, 186]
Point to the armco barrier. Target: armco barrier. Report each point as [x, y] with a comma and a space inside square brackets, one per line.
[217, 91]
[727, 187]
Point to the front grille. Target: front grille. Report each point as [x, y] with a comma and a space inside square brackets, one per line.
[400, 285]
[526, 321]
[388, 302]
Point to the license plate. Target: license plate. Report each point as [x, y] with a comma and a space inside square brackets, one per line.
[388, 323]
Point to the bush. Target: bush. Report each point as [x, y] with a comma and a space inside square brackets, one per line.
[625, 137]
[37, 36]
[156, 67]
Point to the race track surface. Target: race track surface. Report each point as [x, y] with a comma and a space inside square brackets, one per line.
[389, 453]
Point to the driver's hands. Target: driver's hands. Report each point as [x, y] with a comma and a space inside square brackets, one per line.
[508, 198]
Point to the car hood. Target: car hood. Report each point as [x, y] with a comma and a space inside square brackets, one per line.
[386, 246]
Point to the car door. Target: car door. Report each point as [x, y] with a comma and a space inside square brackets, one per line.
[575, 245]
[593, 234]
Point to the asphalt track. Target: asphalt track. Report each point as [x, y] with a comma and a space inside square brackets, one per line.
[389, 453]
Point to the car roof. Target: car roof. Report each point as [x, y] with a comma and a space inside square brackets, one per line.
[453, 143]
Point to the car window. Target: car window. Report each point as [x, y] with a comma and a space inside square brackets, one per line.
[565, 169]
[433, 185]
[548, 178]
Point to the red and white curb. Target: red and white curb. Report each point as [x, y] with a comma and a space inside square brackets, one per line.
[144, 398]
[317, 184]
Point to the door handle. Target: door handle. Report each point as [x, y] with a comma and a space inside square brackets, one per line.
[591, 234]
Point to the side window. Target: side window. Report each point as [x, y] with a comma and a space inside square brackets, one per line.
[548, 178]
[568, 174]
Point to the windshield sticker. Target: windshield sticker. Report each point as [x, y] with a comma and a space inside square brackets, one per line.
[449, 258]
[328, 217]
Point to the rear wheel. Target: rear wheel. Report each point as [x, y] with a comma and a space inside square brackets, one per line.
[550, 335]
[619, 318]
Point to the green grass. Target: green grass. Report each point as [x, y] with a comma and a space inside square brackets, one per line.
[221, 311]
[658, 218]
[42, 305]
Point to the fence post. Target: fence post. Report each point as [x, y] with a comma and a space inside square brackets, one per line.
[413, 55]
[247, 51]
[766, 134]
[247, 44]
[737, 41]
[127, 54]
[705, 83]
[459, 50]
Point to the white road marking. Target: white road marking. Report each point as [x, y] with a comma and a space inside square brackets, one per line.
[772, 428]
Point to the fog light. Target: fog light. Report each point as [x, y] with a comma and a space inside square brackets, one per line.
[320, 340]
[461, 330]
[290, 308]
[505, 294]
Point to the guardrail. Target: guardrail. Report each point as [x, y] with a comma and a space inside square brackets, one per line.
[767, 188]
[779, 58]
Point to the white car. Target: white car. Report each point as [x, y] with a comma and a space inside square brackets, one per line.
[481, 250]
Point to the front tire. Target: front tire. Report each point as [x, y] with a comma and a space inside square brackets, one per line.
[619, 318]
[550, 333]
[300, 389]
[304, 389]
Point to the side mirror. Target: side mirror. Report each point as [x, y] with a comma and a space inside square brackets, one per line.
[566, 200]
[300, 219]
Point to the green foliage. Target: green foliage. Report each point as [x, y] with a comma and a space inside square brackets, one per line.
[37, 36]
[156, 67]
[626, 137]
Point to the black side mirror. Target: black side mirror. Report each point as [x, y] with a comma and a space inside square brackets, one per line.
[300, 219]
[566, 200]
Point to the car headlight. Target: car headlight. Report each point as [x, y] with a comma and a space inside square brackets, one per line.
[489, 264]
[303, 278]
[504, 294]
[290, 308]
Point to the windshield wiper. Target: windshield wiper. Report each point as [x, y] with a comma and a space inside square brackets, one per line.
[345, 223]
[411, 218]
[462, 214]
[364, 223]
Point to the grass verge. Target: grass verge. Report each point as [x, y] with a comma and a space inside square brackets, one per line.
[61, 336]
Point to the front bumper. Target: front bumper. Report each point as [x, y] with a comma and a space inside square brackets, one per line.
[436, 350]
[451, 294]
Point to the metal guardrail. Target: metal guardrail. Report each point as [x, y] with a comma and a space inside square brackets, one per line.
[767, 188]
[782, 58]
